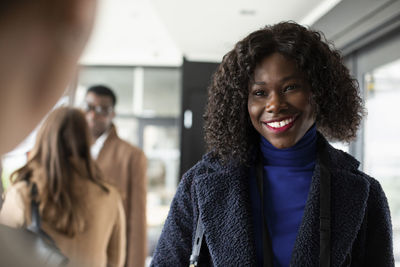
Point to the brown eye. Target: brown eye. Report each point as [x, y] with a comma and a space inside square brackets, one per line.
[259, 93]
[290, 88]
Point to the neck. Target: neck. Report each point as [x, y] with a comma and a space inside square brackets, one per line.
[97, 135]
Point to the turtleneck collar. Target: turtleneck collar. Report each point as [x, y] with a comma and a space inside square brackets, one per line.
[302, 153]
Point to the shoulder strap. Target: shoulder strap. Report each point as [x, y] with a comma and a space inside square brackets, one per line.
[35, 225]
[35, 216]
[325, 212]
[267, 243]
[197, 243]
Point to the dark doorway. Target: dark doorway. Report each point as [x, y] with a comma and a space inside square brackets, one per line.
[196, 77]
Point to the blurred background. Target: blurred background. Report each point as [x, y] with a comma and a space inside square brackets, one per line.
[159, 56]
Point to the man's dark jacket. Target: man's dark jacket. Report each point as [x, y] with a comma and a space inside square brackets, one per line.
[360, 219]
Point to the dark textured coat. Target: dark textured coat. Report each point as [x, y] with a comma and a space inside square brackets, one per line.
[361, 227]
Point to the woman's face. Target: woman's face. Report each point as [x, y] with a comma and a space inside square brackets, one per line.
[279, 101]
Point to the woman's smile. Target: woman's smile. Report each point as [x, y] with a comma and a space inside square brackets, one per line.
[280, 125]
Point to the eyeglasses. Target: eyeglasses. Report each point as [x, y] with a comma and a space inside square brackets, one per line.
[99, 110]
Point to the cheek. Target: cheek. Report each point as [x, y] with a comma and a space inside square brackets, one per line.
[95, 120]
[254, 110]
[308, 111]
[107, 121]
[255, 113]
[301, 102]
[308, 107]
[89, 119]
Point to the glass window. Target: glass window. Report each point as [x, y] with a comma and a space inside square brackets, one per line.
[127, 128]
[162, 95]
[161, 145]
[381, 137]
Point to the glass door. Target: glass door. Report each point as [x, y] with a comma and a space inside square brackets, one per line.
[382, 136]
[378, 71]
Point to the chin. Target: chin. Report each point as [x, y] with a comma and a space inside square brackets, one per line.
[282, 144]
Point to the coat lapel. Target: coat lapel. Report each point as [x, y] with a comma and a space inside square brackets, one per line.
[349, 195]
[224, 204]
[349, 201]
[306, 248]
[104, 155]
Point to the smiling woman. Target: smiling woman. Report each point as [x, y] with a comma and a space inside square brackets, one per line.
[272, 191]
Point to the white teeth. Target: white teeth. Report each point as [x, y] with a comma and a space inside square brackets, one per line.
[279, 124]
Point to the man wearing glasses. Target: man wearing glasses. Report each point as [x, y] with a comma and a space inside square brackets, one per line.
[123, 166]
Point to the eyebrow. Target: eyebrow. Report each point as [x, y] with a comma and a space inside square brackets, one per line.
[92, 104]
[259, 83]
[287, 78]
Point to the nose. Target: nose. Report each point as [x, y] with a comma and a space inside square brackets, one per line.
[275, 103]
[90, 114]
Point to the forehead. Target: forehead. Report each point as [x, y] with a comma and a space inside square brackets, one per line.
[276, 67]
[98, 100]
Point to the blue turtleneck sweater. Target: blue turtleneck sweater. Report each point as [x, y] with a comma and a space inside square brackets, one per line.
[287, 179]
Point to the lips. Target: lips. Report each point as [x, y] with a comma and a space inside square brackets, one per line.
[280, 125]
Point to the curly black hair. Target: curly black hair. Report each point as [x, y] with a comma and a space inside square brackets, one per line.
[229, 133]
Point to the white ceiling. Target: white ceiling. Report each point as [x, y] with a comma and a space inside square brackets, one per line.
[161, 32]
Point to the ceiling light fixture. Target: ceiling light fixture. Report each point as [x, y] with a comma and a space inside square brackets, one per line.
[247, 12]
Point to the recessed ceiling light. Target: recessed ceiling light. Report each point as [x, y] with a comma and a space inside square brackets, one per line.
[247, 12]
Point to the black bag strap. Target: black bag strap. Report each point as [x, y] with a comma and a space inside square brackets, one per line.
[267, 244]
[35, 216]
[35, 225]
[325, 212]
[194, 258]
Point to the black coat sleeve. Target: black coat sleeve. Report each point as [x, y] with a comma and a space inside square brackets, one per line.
[175, 244]
[379, 243]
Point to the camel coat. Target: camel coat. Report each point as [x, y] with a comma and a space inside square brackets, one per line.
[101, 244]
[124, 166]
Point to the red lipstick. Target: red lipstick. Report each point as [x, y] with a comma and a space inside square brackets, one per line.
[283, 128]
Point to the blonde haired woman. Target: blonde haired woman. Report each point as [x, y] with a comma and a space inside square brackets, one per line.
[82, 214]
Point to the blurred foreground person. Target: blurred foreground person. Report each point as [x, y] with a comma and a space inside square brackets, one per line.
[123, 166]
[40, 44]
[272, 191]
[83, 215]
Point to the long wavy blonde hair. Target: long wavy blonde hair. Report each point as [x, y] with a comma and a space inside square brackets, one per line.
[62, 141]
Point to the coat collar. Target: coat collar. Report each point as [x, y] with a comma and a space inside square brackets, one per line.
[112, 132]
[111, 138]
[224, 204]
